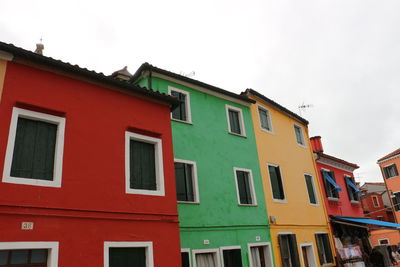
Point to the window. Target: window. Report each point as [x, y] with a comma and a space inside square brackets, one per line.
[265, 119]
[390, 171]
[312, 196]
[351, 192]
[185, 255]
[299, 135]
[245, 187]
[324, 248]
[276, 182]
[143, 164]
[138, 254]
[35, 149]
[29, 254]
[186, 181]
[384, 241]
[380, 218]
[330, 189]
[206, 257]
[260, 255]
[232, 257]
[235, 120]
[182, 111]
[288, 248]
[396, 201]
[375, 201]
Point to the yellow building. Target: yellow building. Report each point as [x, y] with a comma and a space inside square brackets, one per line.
[298, 219]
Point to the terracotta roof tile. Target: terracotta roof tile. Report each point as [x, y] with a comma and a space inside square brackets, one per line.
[394, 153]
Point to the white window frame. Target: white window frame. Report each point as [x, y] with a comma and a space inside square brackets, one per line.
[194, 182]
[377, 201]
[52, 247]
[270, 184]
[302, 134]
[314, 263]
[187, 104]
[268, 254]
[187, 250]
[330, 244]
[147, 245]
[59, 148]
[228, 248]
[158, 154]
[387, 239]
[210, 250]
[271, 131]
[251, 185]
[314, 188]
[241, 121]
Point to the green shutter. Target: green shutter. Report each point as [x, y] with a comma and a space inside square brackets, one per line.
[234, 121]
[310, 189]
[276, 182]
[327, 248]
[244, 187]
[320, 247]
[142, 166]
[127, 257]
[285, 250]
[184, 181]
[34, 150]
[294, 254]
[232, 258]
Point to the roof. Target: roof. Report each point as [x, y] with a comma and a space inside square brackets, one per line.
[275, 105]
[148, 67]
[392, 154]
[323, 155]
[18, 52]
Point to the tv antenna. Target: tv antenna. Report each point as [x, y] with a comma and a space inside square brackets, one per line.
[303, 107]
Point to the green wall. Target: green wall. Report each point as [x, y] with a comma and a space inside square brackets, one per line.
[218, 217]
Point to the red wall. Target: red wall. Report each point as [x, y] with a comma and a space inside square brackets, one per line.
[374, 212]
[342, 207]
[91, 206]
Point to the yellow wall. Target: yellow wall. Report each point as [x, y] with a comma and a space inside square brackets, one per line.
[296, 215]
[3, 65]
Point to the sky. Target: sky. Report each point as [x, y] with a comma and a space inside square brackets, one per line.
[342, 57]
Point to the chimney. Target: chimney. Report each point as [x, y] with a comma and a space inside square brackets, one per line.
[39, 49]
[122, 74]
[316, 144]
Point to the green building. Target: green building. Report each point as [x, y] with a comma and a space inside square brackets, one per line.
[222, 213]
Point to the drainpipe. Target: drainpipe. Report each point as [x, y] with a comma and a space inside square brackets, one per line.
[149, 81]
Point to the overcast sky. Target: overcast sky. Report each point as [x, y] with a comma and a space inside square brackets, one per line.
[341, 56]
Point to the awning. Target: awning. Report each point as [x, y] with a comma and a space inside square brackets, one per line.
[354, 186]
[331, 181]
[368, 221]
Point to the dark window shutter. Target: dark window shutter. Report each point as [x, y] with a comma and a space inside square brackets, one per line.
[244, 187]
[385, 170]
[327, 247]
[326, 185]
[34, 150]
[349, 189]
[264, 119]
[232, 258]
[276, 182]
[320, 247]
[125, 257]
[294, 254]
[234, 121]
[179, 112]
[142, 165]
[395, 170]
[185, 259]
[335, 193]
[285, 250]
[184, 181]
[310, 189]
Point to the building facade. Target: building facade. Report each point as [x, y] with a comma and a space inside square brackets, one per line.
[222, 213]
[87, 180]
[298, 220]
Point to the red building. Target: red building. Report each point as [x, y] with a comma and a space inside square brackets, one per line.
[87, 168]
[374, 204]
[336, 176]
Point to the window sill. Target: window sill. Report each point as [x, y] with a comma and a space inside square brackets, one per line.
[237, 134]
[333, 198]
[145, 192]
[303, 146]
[267, 131]
[34, 182]
[186, 122]
[283, 201]
[314, 205]
[357, 202]
[247, 205]
[188, 202]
